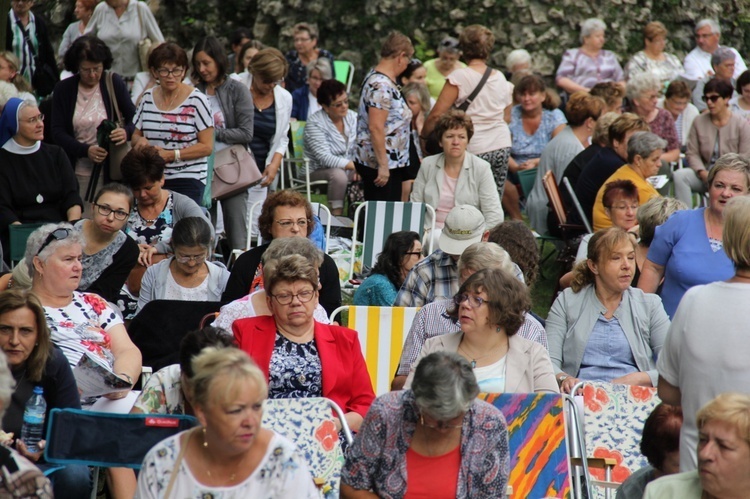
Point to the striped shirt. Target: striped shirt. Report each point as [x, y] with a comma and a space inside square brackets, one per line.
[20, 47]
[176, 129]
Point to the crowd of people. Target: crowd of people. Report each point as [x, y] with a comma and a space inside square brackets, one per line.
[118, 177]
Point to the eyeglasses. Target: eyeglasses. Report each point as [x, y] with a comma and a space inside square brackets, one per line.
[105, 211]
[443, 425]
[341, 103]
[91, 71]
[176, 72]
[287, 298]
[287, 224]
[34, 119]
[474, 301]
[711, 98]
[188, 258]
[55, 235]
[299, 39]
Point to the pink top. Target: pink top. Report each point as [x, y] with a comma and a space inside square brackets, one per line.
[447, 200]
[89, 112]
[487, 111]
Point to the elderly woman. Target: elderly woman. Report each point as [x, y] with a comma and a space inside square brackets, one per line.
[188, 275]
[122, 24]
[456, 177]
[383, 124]
[722, 63]
[644, 160]
[176, 118]
[255, 303]
[584, 67]
[677, 102]
[643, 92]
[229, 453]
[34, 361]
[688, 249]
[401, 251]
[404, 442]
[81, 103]
[518, 60]
[723, 450]
[284, 214]
[532, 125]
[712, 135]
[487, 110]
[601, 329]
[329, 138]
[447, 62]
[491, 307]
[26, 476]
[232, 109]
[299, 356]
[37, 183]
[660, 445]
[82, 324]
[305, 52]
[740, 103]
[698, 366]
[652, 60]
[82, 11]
[305, 98]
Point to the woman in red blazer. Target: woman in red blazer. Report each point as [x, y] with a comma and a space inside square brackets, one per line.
[301, 357]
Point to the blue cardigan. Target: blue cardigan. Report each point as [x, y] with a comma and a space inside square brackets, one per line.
[300, 102]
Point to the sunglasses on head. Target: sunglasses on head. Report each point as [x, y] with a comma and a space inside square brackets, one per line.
[55, 235]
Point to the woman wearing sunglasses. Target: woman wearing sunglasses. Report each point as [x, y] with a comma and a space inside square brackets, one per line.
[187, 275]
[491, 306]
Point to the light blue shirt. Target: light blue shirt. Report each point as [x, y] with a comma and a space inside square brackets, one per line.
[607, 355]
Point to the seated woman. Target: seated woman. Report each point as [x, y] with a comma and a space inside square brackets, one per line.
[723, 453]
[643, 92]
[81, 323]
[401, 251]
[652, 59]
[502, 361]
[455, 176]
[644, 160]
[329, 137]
[740, 103]
[108, 253]
[677, 102]
[601, 329]
[255, 303]
[187, 275]
[35, 361]
[284, 214]
[299, 356]
[611, 93]
[436, 438]
[305, 98]
[688, 249]
[660, 444]
[37, 183]
[229, 453]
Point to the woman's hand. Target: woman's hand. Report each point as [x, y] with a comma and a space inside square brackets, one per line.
[147, 251]
[635, 379]
[167, 155]
[31, 456]
[269, 174]
[118, 136]
[97, 154]
[116, 395]
[528, 165]
[383, 175]
[568, 383]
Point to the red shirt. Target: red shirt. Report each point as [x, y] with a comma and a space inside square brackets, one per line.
[432, 477]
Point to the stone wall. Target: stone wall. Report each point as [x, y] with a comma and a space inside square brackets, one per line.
[353, 29]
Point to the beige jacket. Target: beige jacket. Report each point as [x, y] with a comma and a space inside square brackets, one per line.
[733, 137]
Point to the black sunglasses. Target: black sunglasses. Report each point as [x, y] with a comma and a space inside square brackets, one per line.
[55, 235]
[711, 98]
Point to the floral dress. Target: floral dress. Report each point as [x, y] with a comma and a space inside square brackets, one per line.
[295, 370]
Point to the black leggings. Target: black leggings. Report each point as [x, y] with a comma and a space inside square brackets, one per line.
[389, 192]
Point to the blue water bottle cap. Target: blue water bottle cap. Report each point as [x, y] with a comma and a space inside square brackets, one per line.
[39, 390]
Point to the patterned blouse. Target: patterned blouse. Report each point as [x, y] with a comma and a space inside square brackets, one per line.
[377, 458]
[525, 146]
[380, 92]
[667, 70]
[161, 230]
[587, 71]
[94, 265]
[295, 370]
[663, 126]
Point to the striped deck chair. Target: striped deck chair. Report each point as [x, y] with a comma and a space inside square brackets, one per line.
[382, 332]
[383, 218]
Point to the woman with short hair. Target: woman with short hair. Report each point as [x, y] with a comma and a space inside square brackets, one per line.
[643, 92]
[305, 98]
[446, 62]
[652, 59]
[677, 102]
[306, 51]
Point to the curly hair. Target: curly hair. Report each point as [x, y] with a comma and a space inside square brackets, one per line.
[508, 298]
[476, 42]
[516, 238]
[454, 119]
[393, 255]
[283, 198]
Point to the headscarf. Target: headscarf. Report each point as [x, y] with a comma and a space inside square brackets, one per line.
[9, 120]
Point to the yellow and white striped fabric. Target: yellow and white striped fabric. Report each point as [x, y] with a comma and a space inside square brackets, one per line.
[382, 332]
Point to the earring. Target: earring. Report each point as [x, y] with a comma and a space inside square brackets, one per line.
[205, 444]
[498, 329]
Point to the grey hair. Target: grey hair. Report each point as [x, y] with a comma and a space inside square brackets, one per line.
[293, 246]
[516, 57]
[192, 231]
[591, 25]
[323, 66]
[444, 385]
[643, 144]
[715, 28]
[7, 384]
[485, 255]
[421, 92]
[653, 213]
[720, 55]
[37, 238]
[641, 83]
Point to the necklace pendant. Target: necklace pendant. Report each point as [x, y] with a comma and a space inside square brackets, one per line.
[39, 198]
[473, 364]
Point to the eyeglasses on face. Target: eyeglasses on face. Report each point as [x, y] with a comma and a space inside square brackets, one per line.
[287, 224]
[451, 424]
[184, 259]
[34, 119]
[105, 211]
[287, 298]
[176, 72]
[55, 235]
[711, 98]
[474, 301]
[92, 71]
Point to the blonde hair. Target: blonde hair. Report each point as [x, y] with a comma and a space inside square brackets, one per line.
[213, 362]
[731, 408]
[736, 231]
[269, 65]
[601, 245]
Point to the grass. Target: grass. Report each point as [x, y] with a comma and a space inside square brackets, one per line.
[544, 288]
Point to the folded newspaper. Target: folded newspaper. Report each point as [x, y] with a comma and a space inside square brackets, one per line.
[95, 379]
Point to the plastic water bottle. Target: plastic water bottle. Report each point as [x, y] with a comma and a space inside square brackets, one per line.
[32, 430]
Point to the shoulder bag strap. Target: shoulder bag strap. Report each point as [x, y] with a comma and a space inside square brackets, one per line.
[140, 19]
[178, 461]
[465, 104]
[113, 100]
